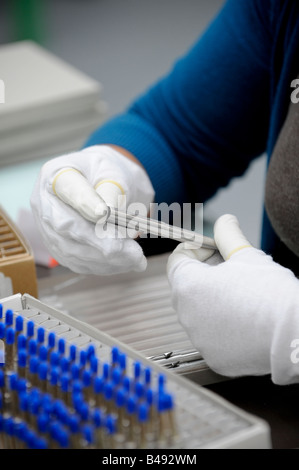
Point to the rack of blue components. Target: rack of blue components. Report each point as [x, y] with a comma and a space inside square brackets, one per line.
[65, 384]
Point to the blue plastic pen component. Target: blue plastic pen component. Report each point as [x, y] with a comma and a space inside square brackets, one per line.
[84, 411]
[20, 431]
[94, 365]
[123, 361]
[19, 323]
[114, 355]
[32, 347]
[61, 346]
[43, 370]
[33, 369]
[74, 424]
[40, 335]
[75, 371]
[42, 422]
[43, 353]
[64, 364]
[120, 398]
[51, 340]
[139, 390]
[82, 359]
[2, 379]
[131, 405]
[137, 370]
[13, 380]
[1, 312]
[10, 336]
[86, 378]
[127, 384]
[21, 386]
[63, 438]
[54, 376]
[72, 353]
[24, 401]
[8, 426]
[54, 359]
[111, 424]
[2, 330]
[77, 386]
[98, 418]
[65, 383]
[90, 352]
[8, 318]
[149, 396]
[30, 329]
[106, 371]
[98, 387]
[88, 434]
[116, 376]
[22, 341]
[143, 412]
[147, 376]
[22, 362]
[40, 443]
[161, 381]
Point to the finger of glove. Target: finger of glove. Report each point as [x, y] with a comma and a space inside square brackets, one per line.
[85, 258]
[73, 189]
[184, 251]
[228, 236]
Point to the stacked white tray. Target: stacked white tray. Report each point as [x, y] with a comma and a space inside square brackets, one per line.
[50, 107]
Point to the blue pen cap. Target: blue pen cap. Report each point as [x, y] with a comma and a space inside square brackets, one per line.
[88, 433]
[90, 352]
[61, 346]
[30, 329]
[72, 352]
[83, 358]
[108, 390]
[98, 385]
[43, 353]
[75, 371]
[41, 334]
[114, 355]
[131, 405]
[32, 346]
[43, 371]
[65, 382]
[9, 317]
[98, 418]
[42, 422]
[86, 378]
[143, 412]
[19, 323]
[116, 375]
[13, 379]
[121, 397]
[137, 369]
[64, 364]
[33, 364]
[123, 361]
[94, 365]
[22, 358]
[54, 375]
[111, 424]
[51, 340]
[1, 312]
[74, 423]
[2, 330]
[2, 379]
[10, 336]
[54, 359]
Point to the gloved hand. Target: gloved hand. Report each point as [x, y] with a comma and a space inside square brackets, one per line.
[69, 198]
[240, 309]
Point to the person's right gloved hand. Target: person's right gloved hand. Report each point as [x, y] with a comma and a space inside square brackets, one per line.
[87, 181]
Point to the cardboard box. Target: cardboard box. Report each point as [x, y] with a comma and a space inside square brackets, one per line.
[16, 258]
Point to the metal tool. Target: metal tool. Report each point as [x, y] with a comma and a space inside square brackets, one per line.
[154, 227]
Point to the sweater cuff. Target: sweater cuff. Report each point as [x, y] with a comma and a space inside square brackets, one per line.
[148, 146]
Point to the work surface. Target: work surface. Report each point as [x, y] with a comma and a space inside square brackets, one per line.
[258, 395]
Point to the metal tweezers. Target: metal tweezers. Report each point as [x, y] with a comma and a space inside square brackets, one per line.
[145, 225]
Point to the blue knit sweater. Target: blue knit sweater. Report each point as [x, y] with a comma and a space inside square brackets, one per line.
[221, 106]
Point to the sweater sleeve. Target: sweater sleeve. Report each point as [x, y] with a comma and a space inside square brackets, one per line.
[203, 123]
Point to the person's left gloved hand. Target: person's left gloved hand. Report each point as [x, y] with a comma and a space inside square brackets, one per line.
[242, 314]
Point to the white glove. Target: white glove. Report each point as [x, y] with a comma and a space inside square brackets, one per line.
[242, 314]
[86, 181]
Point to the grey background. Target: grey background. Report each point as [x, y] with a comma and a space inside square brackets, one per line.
[127, 45]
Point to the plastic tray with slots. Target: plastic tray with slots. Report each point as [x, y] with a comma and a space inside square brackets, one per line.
[203, 419]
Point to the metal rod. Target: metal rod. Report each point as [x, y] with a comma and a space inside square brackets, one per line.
[154, 227]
